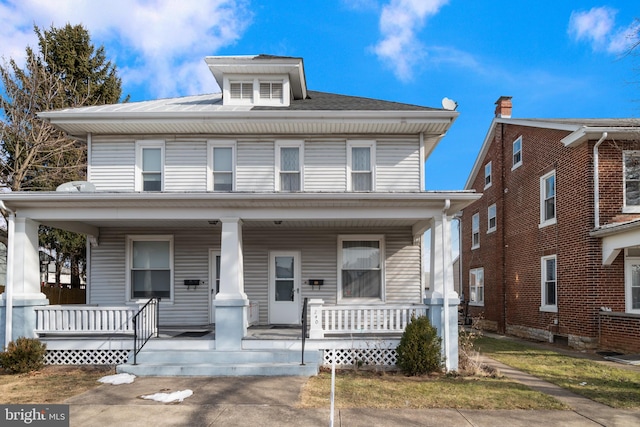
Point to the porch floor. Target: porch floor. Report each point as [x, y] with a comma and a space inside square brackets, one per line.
[208, 332]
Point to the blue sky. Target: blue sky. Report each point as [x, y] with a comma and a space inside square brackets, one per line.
[555, 58]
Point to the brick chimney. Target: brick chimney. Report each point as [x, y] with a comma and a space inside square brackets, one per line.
[503, 107]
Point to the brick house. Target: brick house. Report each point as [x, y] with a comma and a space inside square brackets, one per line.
[540, 258]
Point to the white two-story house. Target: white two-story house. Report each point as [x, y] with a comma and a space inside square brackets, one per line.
[260, 196]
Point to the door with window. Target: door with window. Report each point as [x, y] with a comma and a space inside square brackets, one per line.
[214, 282]
[284, 288]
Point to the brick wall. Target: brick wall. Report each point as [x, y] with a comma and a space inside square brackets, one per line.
[620, 332]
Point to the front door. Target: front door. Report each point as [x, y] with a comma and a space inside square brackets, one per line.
[284, 288]
[214, 282]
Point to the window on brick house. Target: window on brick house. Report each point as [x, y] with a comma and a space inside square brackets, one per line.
[517, 153]
[632, 280]
[631, 181]
[491, 219]
[475, 231]
[549, 283]
[487, 175]
[476, 286]
[548, 199]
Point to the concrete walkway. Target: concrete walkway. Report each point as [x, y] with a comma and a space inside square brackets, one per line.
[271, 401]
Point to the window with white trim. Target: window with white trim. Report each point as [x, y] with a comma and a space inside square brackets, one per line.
[256, 90]
[361, 158]
[289, 165]
[221, 164]
[487, 175]
[517, 153]
[361, 262]
[149, 165]
[475, 230]
[632, 280]
[549, 278]
[271, 91]
[149, 267]
[241, 90]
[476, 286]
[492, 221]
[631, 175]
[548, 199]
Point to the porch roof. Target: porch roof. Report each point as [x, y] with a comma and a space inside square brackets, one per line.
[106, 209]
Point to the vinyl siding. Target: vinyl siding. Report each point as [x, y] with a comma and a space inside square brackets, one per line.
[254, 169]
[318, 248]
[397, 165]
[185, 166]
[113, 165]
[325, 166]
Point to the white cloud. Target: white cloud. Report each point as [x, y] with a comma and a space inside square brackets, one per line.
[400, 21]
[153, 41]
[597, 27]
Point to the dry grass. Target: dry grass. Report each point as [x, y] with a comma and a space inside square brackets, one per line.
[52, 384]
[365, 389]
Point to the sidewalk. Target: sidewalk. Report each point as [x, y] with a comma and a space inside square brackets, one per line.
[270, 401]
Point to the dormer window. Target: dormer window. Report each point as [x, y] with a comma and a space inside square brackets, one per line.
[241, 90]
[271, 91]
[258, 90]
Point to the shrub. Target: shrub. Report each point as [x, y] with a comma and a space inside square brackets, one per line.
[23, 355]
[419, 351]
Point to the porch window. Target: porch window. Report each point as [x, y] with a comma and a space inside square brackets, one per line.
[149, 165]
[360, 162]
[475, 230]
[476, 286]
[361, 267]
[150, 265]
[549, 289]
[632, 181]
[289, 155]
[221, 166]
[632, 280]
[548, 199]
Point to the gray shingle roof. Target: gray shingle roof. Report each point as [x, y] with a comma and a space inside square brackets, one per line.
[318, 101]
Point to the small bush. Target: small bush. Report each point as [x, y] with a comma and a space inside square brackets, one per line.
[419, 351]
[23, 355]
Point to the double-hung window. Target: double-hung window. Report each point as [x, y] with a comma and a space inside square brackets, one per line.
[491, 218]
[631, 181]
[149, 165]
[517, 153]
[289, 161]
[475, 231]
[476, 286]
[487, 175]
[360, 259]
[548, 199]
[150, 267]
[549, 284]
[360, 165]
[221, 162]
[632, 280]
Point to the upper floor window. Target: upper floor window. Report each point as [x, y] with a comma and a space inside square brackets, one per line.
[491, 218]
[548, 199]
[476, 286]
[149, 165]
[517, 153]
[360, 165]
[289, 155]
[549, 284]
[149, 267]
[632, 180]
[241, 90]
[475, 231]
[256, 90]
[221, 164]
[360, 259]
[487, 175]
[271, 91]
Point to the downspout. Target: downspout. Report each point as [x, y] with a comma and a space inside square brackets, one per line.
[8, 289]
[596, 183]
[445, 307]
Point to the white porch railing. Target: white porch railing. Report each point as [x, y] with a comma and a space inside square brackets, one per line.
[84, 319]
[360, 319]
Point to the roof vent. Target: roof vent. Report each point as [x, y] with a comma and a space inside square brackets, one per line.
[76, 187]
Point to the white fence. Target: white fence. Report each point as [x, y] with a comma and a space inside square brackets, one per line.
[359, 319]
[83, 319]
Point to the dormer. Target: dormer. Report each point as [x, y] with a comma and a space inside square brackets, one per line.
[261, 80]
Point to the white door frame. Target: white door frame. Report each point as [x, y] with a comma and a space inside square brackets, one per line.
[213, 253]
[285, 312]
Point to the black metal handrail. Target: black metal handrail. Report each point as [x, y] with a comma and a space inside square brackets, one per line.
[304, 327]
[145, 325]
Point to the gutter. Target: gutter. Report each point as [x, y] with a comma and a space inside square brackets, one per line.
[596, 182]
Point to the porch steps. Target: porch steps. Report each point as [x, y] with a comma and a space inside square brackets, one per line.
[222, 363]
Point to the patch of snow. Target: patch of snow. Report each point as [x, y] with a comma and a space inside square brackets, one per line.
[178, 396]
[118, 379]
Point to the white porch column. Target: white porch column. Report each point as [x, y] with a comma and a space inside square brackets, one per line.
[231, 302]
[443, 299]
[315, 310]
[22, 291]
